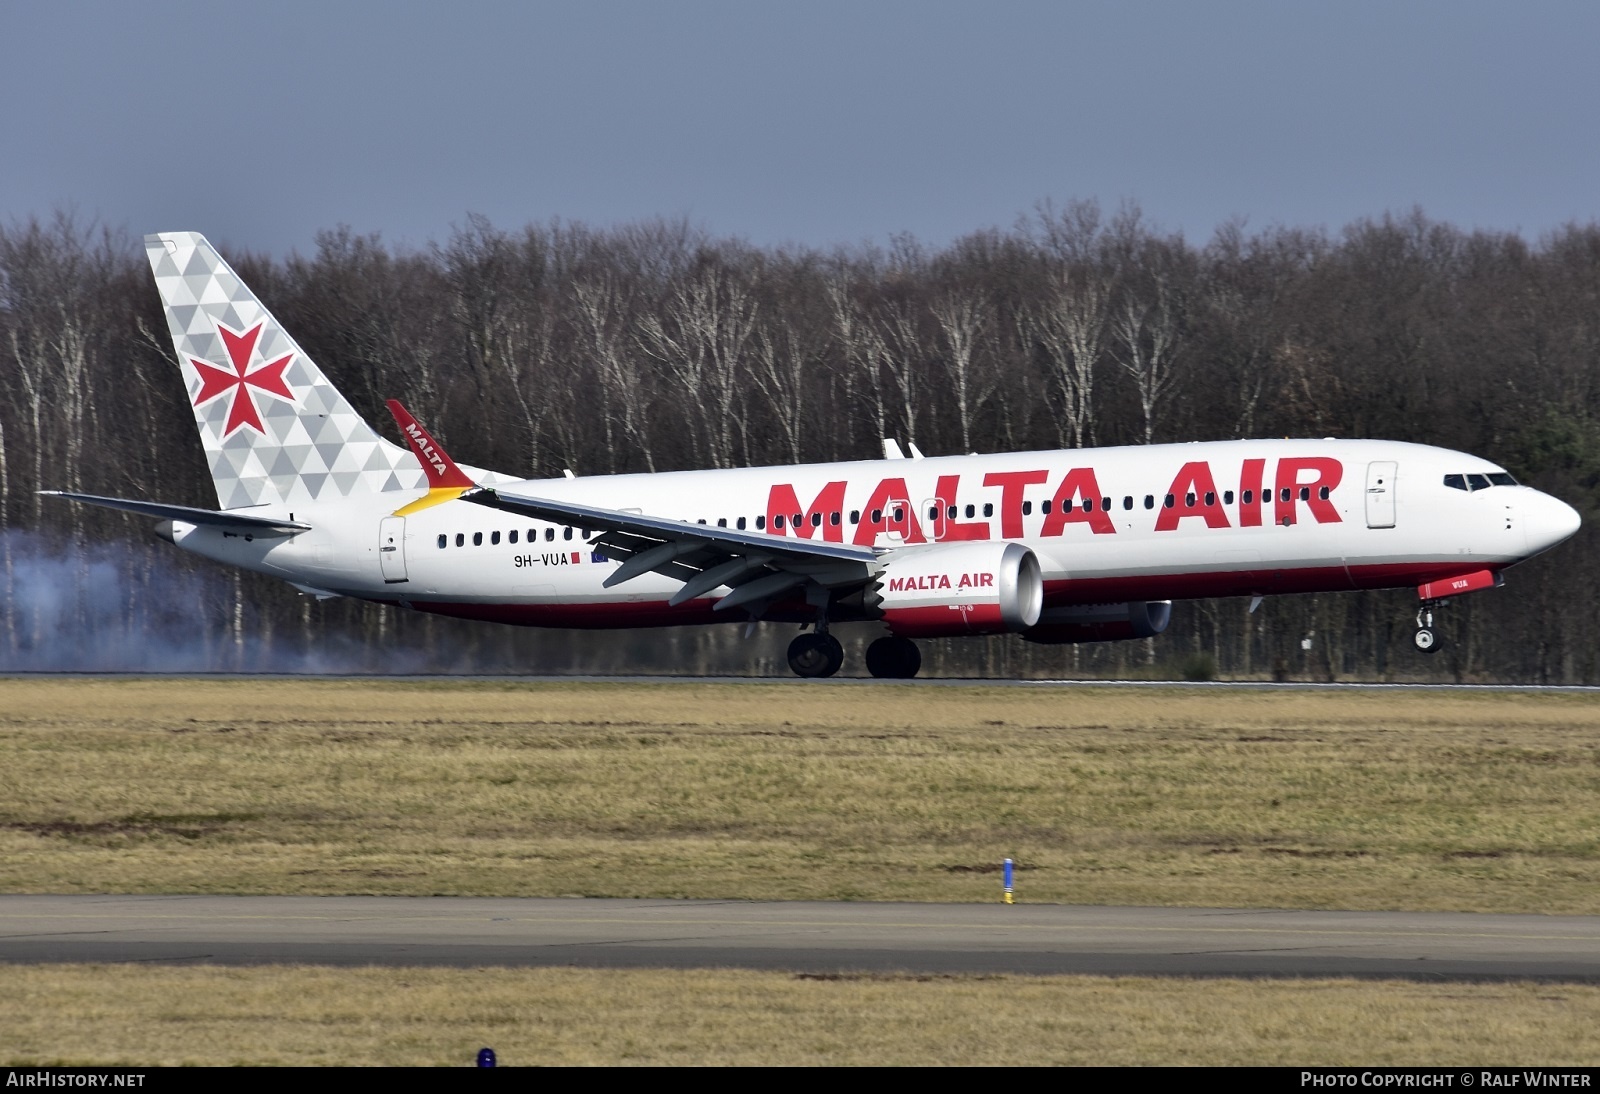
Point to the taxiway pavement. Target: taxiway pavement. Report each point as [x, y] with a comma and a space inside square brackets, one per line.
[813, 937]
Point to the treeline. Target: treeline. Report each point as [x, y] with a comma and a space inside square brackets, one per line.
[657, 346]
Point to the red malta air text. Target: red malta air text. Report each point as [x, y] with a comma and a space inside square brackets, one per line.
[1298, 484]
[929, 582]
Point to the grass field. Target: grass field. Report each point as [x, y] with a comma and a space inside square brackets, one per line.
[87, 1014]
[1313, 799]
[1316, 799]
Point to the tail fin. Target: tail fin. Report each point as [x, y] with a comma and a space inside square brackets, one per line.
[274, 429]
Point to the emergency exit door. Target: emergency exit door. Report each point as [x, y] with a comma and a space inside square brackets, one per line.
[1380, 493]
[392, 549]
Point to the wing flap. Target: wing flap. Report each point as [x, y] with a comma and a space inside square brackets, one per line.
[656, 530]
[758, 567]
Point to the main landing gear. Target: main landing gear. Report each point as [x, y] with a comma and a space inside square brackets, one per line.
[819, 654]
[815, 655]
[1426, 639]
[894, 658]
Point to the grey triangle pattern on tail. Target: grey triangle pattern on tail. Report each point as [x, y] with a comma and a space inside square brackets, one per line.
[282, 462]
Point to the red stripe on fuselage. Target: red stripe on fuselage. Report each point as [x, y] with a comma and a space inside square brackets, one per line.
[1268, 582]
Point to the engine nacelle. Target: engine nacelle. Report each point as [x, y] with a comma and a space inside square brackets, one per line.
[1101, 622]
[954, 589]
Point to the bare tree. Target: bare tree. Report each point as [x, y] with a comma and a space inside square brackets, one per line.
[962, 322]
[699, 335]
[602, 315]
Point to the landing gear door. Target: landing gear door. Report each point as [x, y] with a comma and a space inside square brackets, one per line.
[1380, 493]
[392, 549]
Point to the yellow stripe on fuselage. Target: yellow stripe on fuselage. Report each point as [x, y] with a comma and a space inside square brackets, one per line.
[436, 495]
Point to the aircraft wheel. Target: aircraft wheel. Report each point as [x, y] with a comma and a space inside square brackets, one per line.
[1426, 640]
[815, 655]
[894, 658]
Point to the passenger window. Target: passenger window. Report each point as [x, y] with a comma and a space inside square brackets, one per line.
[1188, 501]
[1305, 493]
[1044, 507]
[566, 533]
[702, 520]
[877, 516]
[533, 534]
[816, 520]
[1227, 497]
[1105, 505]
[1323, 493]
[1169, 501]
[549, 534]
[1249, 497]
[722, 522]
[933, 512]
[855, 516]
[972, 511]
[477, 539]
[950, 514]
[1211, 499]
[1478, 482]
[761, 524]
[513, 536]
[777, 522]
[899, 514]
[1027, 508]
[1127, 501]
[797, 520]
[461, 540]
[988, 509]
[1286, 494]
[494, 538]
[1149, 501]
[443, 540]
[1088, 505]
[740, 524]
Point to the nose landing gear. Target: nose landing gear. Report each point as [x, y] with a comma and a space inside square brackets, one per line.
[1426, 639]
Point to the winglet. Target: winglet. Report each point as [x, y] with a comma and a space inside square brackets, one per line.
[446, 481]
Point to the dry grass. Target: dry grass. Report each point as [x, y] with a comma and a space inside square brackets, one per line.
[1474, 801]
[129, 1015]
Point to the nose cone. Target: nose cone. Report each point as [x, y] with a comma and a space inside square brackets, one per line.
[1549, 521]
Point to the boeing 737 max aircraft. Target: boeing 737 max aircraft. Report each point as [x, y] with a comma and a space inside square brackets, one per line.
[1056, 546]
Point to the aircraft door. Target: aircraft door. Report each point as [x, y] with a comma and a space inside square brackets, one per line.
[392, 549]
[1380, 493]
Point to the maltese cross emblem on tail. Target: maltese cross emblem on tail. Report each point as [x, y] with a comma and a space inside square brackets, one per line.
[217, 381]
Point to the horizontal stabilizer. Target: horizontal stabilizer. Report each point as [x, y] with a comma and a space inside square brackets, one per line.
[231, 521]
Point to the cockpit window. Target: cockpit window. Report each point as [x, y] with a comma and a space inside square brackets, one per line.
[1480, 482]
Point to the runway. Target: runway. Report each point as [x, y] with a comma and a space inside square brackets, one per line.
[809, 937]
[849, 681]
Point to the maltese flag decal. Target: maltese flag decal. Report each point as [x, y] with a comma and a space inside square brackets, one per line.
[216, 381]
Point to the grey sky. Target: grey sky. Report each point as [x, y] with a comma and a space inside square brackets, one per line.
[818, 123]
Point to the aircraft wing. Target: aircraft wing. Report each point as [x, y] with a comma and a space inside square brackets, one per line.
[227, 521]
[758, 567]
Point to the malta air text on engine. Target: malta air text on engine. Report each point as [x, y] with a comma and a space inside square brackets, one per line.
[1299, 486]
[927, 582]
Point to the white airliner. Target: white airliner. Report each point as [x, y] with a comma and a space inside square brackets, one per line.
[1056, 546]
